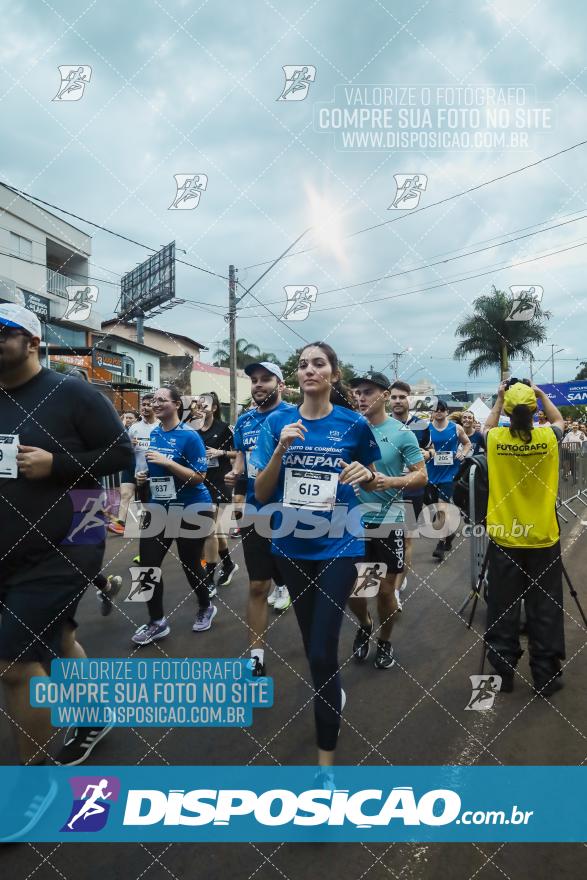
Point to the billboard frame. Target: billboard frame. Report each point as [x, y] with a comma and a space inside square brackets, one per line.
[149, 284]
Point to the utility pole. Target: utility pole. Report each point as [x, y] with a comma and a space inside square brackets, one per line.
[552, 362]
[532, 368]
[140, 324]
[232, 340]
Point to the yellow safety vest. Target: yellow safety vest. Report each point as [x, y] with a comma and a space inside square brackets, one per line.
[523, 485]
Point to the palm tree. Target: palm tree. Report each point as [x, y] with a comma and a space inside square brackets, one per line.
[492, 338]
[246, 353]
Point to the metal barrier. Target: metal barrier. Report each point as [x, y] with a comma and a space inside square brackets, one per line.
[572, 486]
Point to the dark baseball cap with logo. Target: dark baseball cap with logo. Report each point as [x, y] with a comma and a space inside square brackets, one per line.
[375, 378]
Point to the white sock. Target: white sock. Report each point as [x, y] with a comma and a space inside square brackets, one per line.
[259, 653]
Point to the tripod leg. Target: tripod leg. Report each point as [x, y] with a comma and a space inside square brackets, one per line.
[573, 593]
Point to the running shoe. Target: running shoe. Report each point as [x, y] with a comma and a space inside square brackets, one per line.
[384, 658]
[105, 597]
[400, 607]
[78, 744]
[547, 688]
[204, 618]
[26, 810]
[439, 551]
[272, 596]
[136, 560]
[403, 584]
[151, 632]
[362, 644]
[342, 699]
[234, 533]
[324, 779]
[227, 574]
[212, 591]
[282, 599]
[117, 528]
[257, 667]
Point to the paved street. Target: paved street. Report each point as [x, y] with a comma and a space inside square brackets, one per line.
[412, 714]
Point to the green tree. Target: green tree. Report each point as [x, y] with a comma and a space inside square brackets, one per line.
[246, 353]
[487, 334]
[582, 374]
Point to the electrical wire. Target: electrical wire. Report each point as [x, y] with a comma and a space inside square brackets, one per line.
[440, 201]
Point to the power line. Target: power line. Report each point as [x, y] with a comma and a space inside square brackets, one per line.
[440, 201]
[451, 281]
[440, 262]
[26, 195]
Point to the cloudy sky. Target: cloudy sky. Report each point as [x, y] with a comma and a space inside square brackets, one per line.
[192, 87]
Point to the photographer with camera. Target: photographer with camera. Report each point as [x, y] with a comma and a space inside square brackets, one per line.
[524, 555]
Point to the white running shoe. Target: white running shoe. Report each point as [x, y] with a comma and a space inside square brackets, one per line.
[282, 599]
[342, 699]
[400, 607]
[272, 596]
[403, 584]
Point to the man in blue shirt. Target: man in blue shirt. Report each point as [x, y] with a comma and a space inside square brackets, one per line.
[401, 466]
[266, 388]
[449, 446]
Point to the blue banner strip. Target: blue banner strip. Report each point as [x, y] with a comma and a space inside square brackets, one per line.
[238, 804]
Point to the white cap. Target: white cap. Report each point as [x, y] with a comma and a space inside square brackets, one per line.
[267, 365]
[13, 315]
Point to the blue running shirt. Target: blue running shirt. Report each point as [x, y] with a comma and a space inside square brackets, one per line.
[308, 480]
[446, 444]
[246, 432]
[184, 446]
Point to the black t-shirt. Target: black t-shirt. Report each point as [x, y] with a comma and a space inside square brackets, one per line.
[71, 419]
[218, 436]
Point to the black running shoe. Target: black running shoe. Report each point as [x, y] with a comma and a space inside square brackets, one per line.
[362, 644]
[228, 570]
[439, 551]
[78, 745]
[548, 688]
[384, 658]
[257, 667]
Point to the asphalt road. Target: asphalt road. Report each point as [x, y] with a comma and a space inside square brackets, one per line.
[411, 714]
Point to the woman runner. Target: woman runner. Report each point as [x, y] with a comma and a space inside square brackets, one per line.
[311, 458]
[176, 459]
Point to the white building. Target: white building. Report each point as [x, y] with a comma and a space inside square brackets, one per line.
[39, 255]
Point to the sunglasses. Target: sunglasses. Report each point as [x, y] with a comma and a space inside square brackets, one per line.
[12, 332]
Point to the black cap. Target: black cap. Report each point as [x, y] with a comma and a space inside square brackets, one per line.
[442, 406]
[376, 378]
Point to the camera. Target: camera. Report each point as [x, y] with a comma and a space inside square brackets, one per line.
[514, 381]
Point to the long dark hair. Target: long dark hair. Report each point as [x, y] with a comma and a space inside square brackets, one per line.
[521, 420]
[216, 414]
[176, 398]
[340, 394]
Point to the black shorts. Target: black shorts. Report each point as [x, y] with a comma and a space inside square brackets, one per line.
[36, 603]
[390, 550]
[259, 560]
[219, 494]
[127, 477]
[435, 492]
[417, 503]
